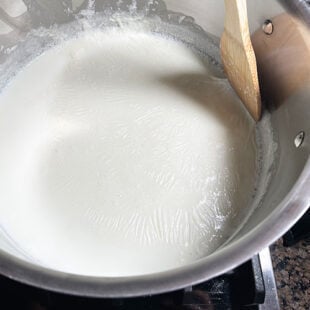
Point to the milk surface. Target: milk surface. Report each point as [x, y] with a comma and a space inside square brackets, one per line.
[122, 153]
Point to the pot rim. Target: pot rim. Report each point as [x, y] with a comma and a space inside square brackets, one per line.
[285, 215]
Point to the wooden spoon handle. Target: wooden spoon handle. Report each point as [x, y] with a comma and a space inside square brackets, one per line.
[236, 18]
[238, 56]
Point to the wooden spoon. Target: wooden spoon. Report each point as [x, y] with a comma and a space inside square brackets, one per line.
[238, 56]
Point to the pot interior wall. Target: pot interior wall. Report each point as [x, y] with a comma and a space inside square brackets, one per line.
[289, 120]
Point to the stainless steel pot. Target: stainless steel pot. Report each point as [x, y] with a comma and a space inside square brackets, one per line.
[286, 199]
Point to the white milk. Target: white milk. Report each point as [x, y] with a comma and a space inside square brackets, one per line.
[121, 154]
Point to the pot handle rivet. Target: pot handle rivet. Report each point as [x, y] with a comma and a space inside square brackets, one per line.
[268, 27]
[299, 139]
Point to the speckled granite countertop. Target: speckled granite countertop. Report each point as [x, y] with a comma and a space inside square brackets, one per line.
[292, 272]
